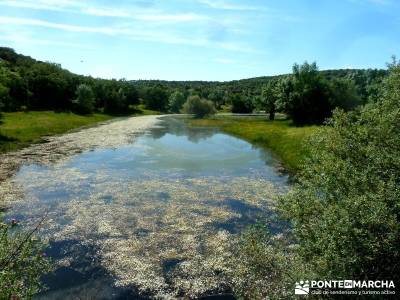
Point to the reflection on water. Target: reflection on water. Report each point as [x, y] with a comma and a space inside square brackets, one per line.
[154, 218]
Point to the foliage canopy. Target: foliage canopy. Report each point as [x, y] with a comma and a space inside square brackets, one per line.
[198, 107]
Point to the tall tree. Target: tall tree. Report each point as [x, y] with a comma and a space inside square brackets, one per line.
[84, 99]
[269, 97]
[344, 94]
[156, 98]
[176, 101]
[309, 102]
[131, 93]
[241, 103]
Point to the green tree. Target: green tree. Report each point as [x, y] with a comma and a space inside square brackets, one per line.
[217, 97]
[176, 101]
[84, 99]
[344, 94]
[156, 98]
[50, 87]
[199, 107]
[268, 99]
[116, 102]
[4, 95]
[345, 208]
[6, 77]
[131, 93]
[241, 103]
[309, 101]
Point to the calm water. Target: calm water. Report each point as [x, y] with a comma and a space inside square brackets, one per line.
[131, 218]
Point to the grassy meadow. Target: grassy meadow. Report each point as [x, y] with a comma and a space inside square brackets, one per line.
[280, 136]
[19, 129]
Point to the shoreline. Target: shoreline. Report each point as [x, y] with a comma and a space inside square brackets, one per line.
[55, 148]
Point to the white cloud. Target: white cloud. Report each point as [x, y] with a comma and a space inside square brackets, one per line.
[105, 12]
[16, 40]
[147, 17]
[70, 6]
[67, 27]
[63, 5]
[129, 32]
[225, 5]
[188, 17]
[26, 37]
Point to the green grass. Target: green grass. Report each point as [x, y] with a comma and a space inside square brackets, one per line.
[19, 129]
[141, 110]
[280, 136]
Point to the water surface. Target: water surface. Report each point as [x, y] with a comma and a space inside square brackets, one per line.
[146, 217]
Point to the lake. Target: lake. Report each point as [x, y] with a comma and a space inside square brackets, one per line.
[154, 217]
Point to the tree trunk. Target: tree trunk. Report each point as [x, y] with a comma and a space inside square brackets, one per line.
[272, 114]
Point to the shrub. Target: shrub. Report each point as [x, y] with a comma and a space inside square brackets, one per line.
[21, 263]
[241, 104]
[344, 94]
[116, 102]
[3, 95]
[84, 99]
[156, 98]
[261, 266]
[345, 208]
[176, 101]
[199, 107]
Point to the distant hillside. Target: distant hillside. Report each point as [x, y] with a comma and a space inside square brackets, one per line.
[363, 78]
[32, 84]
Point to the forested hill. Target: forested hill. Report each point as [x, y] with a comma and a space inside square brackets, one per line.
[29, 84]
[363, 79]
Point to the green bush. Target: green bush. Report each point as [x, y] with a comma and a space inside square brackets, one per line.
[345, 208]
[261, 266]
[156, 98]
[85, 99]
[22, 263]
[116, 102]
[241, 104]
[176, 101]
[199, 107]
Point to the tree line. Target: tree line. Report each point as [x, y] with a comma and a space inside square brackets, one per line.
[308, 95]
[343, 210]
[27, 84]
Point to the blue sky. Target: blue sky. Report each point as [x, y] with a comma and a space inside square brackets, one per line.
[201, 39]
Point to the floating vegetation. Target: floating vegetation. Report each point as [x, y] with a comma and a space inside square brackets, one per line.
[108, 135]
[165, 232]
[140, 230]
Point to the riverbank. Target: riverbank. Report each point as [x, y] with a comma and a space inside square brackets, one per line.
[279, 136]
[19, 129]
[55, 148]
[159, 212]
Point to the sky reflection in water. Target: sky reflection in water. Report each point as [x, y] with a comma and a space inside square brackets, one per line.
[142, 217]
